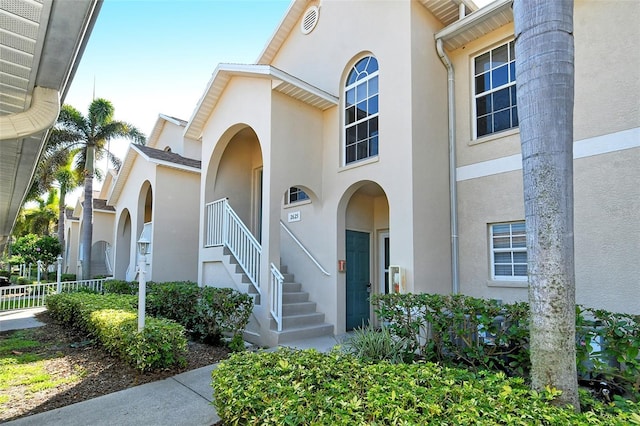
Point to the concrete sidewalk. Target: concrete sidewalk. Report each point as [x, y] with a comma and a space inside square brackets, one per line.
[20, 319]
[184, 399]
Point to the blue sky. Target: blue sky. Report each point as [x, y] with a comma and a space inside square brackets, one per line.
[151, 57]
[156, 56]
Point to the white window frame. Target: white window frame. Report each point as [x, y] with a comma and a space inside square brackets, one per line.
[511, 249]
[492, 89]
[367, 119]
[287, 196]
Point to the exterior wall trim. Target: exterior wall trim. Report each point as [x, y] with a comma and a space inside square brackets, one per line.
[598, 145]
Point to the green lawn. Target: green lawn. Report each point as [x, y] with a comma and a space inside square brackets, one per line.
[21, 367]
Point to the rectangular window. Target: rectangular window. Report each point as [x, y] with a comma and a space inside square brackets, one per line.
[495, 90]
[509, 251]
[295, 195]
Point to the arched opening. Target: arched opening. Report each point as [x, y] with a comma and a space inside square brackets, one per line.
[101, 259]
[123, 246]
[365, 247]
[235, 173]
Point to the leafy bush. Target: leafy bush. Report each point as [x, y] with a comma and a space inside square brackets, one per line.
[68, 277]
[120, 287]
[207, 313]
[478, 333]
[308, 387]
[373, 345]
[459, 330]
[608, 346]
[112, 320]
[4, 273]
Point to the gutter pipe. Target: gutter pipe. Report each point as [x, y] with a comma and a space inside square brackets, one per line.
[453, 192]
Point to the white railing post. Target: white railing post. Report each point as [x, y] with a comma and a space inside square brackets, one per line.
[38, 266]
[275, 290]
[59, 275]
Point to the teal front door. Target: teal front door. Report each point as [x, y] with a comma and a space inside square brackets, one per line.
[358, 280]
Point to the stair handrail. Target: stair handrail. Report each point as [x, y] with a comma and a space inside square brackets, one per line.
[276, 284]
[304, 249]
[229, 231]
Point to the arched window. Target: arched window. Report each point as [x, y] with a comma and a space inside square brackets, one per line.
[361, 111]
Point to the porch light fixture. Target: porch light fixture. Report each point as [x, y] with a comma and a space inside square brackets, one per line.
[143, 247]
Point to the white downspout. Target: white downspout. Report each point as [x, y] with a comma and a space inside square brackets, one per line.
[453, 193]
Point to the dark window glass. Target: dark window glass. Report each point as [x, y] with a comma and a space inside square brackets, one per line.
[361, 121]
[484, 126]
[500, 76]
[483, 105]
[502, 120]
[495, 108]
[501, 99]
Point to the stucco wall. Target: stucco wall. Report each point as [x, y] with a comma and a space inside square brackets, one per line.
[175, 217]
[606, 173]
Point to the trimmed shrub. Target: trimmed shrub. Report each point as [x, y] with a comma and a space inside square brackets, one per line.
[4, 273]
[459, 330]
[68, 277]
[482, 334]
[120, 287]
[207, 313]
[112, 320]
[308, 387]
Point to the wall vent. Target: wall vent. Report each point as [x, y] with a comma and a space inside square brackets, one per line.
[310, 19]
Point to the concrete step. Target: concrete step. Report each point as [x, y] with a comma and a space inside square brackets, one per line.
[298, 321]
[292, 334]
[288, 278]
[295, 297]
[298, 308]
[291, 287]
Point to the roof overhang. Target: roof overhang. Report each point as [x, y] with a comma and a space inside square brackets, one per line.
[133, 152]
[477, 24]
[159, 127]
[41, 43]
[281, 82]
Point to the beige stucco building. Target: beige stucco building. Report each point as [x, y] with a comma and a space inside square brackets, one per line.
[381, 154]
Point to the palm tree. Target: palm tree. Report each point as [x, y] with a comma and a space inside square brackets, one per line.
[54, 167]
[88, 137]
[545, 94]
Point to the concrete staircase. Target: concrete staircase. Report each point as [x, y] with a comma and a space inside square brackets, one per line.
[242, 281]
[300, 318]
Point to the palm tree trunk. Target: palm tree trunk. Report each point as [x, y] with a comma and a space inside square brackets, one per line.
[87, 214]
[545, 90]
[61, 217]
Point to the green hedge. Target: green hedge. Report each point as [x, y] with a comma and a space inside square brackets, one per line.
[112, 320]
[207, 313]
[479, 333]
[307, 387]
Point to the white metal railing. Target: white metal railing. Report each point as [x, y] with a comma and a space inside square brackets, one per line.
[275, 290]
[224, 227]
[304, 249]
[35, 295]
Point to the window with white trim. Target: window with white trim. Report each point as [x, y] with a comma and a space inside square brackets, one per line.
[295, 195]
[509, 251]
[361, 111]
[495, 90]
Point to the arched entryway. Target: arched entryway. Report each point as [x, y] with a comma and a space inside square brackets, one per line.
[123, 246]
[237, 176]
[366, 249]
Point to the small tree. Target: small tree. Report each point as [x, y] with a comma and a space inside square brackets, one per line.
[32, 248]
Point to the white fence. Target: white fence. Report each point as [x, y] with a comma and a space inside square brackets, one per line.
[35, 295]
